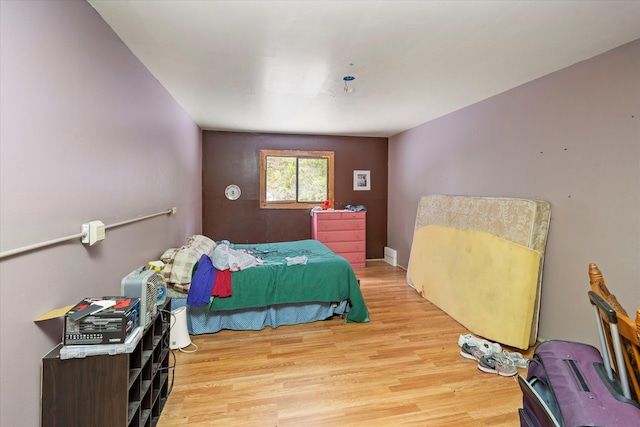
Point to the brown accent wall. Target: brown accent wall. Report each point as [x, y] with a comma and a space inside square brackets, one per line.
[234, 158]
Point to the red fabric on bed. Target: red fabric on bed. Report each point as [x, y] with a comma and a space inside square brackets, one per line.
[222, 284]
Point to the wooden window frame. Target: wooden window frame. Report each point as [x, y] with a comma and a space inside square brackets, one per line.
[329, 155]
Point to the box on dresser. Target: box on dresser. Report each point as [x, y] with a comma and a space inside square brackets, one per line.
[102, 320]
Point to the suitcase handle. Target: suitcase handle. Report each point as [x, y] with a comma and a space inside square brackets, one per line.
[601, 307]
[529, 389]
[551, 403]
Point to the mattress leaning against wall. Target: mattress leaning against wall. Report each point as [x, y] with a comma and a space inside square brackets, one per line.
[524, 222]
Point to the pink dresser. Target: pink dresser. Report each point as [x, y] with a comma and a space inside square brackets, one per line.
[344, 232]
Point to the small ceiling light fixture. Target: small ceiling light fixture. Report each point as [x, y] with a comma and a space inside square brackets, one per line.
[348, 79]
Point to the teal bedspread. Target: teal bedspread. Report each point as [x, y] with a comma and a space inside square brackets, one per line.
[326, 277]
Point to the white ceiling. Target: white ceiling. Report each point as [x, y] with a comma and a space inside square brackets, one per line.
[278, 66]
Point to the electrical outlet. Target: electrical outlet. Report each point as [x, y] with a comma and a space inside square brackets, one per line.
[174, 210]
[93, 232]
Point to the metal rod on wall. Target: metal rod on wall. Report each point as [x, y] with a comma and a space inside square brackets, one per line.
[118, 224]
[39, 245]
[75, 236]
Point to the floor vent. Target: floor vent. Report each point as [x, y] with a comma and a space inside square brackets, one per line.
[391, 256]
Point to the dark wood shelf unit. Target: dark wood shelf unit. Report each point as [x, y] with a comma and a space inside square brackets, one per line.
[127, 389]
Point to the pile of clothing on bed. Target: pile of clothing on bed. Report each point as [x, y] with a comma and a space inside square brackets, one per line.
[202, 269]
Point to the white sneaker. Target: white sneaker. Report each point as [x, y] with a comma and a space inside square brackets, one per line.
[487, 347]
[474, 353]
[497, 364]
[516, 358]
[464, 339]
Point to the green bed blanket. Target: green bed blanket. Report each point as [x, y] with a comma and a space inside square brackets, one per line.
[326, 277]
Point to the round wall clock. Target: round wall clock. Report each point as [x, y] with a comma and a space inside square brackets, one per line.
[232, 192]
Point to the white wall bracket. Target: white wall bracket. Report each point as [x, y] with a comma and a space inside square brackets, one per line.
[93, 232]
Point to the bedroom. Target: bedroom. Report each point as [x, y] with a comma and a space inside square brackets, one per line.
[64, 162]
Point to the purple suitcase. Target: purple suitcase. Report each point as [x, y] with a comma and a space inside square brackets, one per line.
[567, 385]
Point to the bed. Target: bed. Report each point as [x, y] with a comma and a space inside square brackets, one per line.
[274, 293]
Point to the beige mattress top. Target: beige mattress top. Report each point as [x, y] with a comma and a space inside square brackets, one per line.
[522, 221]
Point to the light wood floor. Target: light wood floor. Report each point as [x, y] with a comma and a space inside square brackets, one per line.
[401, 368]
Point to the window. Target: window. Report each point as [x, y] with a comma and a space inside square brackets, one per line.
[292, 179]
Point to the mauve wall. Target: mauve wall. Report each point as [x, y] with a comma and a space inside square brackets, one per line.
[234, 158]
[86, 133]
[571, 138]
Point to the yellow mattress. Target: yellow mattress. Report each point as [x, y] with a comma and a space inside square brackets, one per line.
[450, 264]
[485, 282]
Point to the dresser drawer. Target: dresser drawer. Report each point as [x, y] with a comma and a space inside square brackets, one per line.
[357, 260]
[343, 247]
[353, 215]
[342, 236]
[342, 224]
[335, 215]
[327, 215]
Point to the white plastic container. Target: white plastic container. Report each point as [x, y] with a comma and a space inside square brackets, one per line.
[81, 351]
